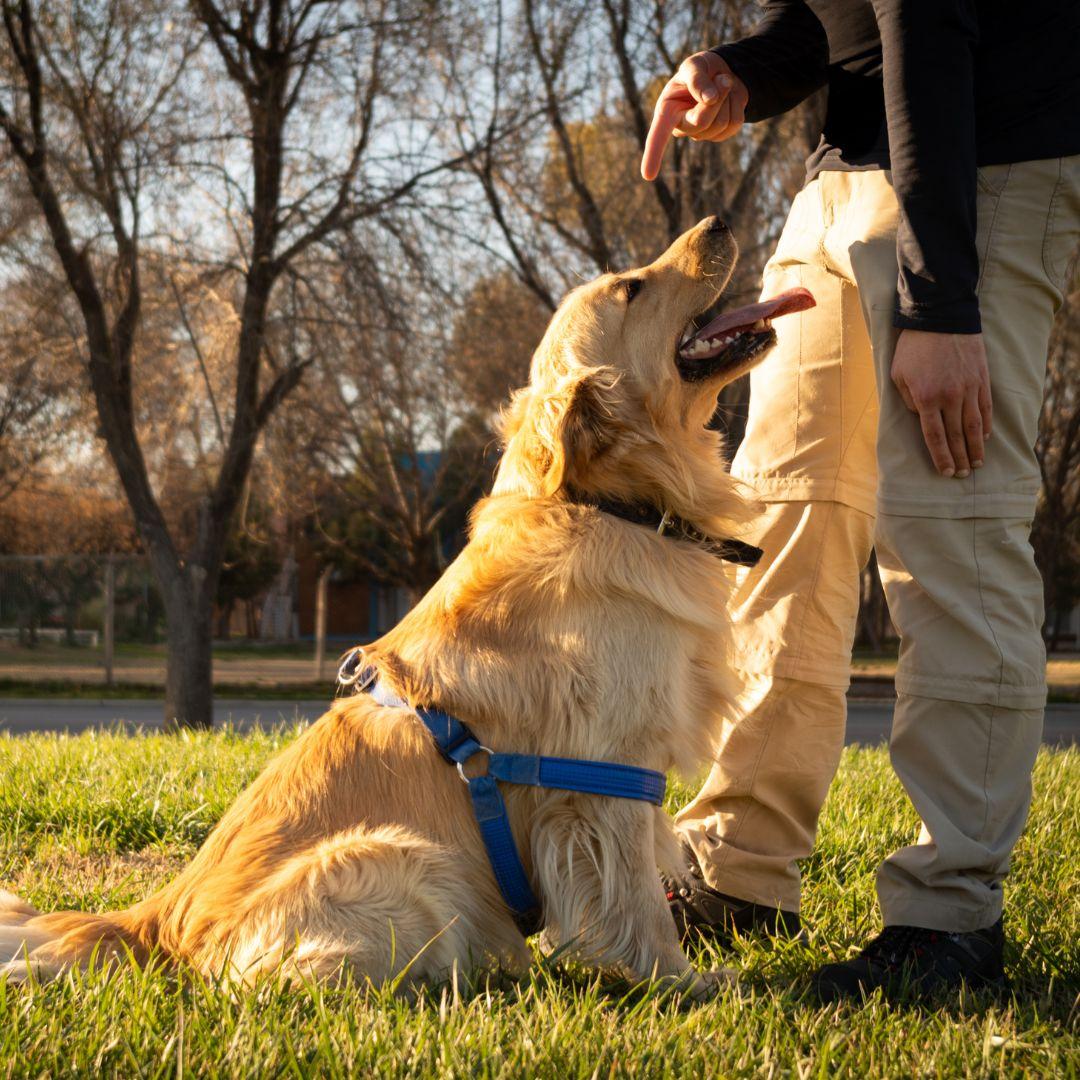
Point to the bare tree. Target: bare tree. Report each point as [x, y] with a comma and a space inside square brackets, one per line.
[1056, 532]
[97, 107]
[497, 326]
[558, 172]
[595, 70]
[35, 401]
[569, 92]
[396, 454]
[39, 398]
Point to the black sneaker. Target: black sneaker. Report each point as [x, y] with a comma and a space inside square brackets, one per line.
[913, 960]
[703, 913]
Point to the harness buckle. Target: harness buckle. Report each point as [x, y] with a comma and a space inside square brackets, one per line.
[480, 749]
[352, 671]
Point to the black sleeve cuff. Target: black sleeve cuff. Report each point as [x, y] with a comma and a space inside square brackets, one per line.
[783, 61]
[742, 67]
[957, 320]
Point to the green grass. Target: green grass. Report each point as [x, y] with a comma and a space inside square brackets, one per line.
[96, 821]
[59, 688]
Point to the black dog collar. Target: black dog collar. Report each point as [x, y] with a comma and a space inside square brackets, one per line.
[667, 524]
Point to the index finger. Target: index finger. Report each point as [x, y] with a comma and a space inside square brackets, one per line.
[669, 111]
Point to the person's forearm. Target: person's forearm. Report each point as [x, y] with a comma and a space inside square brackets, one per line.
[927, 48]
[783, 61]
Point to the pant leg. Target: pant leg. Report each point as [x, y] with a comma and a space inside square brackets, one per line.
[960, 576]
[757, 812]
[809, 454]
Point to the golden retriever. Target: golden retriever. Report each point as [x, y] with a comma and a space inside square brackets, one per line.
[561, 630]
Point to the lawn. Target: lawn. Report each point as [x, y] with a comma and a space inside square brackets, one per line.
[96, 821]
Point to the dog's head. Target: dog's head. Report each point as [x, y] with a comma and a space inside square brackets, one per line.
[622, 386]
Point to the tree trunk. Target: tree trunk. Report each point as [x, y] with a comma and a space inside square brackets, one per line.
[189, 621]
[224, 627]
[109, 620]
[320, 619]
[1055, 634]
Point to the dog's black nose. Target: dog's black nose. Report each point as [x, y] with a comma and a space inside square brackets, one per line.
[716, 225]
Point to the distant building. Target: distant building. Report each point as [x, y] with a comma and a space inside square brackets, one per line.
[357, 610]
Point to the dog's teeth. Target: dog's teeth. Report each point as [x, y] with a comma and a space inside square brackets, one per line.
[693, 347]
[708, 345]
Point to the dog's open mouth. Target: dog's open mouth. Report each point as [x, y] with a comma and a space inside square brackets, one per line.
[736, 337]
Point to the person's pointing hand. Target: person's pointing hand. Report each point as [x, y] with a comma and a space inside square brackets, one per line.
[703, 100]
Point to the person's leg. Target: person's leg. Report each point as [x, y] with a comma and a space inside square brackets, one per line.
[961, 580]
[809, 455]
[966, 597]
[757, 812]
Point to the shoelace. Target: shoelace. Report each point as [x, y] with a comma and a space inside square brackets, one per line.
[673, 888]
[895, 944]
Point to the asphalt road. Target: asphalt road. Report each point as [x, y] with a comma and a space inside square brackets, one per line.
[868, 721]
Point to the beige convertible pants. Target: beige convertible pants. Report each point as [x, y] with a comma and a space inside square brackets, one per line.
[840, 465]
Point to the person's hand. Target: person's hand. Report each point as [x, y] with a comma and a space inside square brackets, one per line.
[944, 378]
[702, 100]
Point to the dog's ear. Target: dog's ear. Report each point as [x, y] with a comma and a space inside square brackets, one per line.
[555, 433]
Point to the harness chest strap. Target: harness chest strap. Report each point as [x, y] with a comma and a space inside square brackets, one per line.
[457, 744]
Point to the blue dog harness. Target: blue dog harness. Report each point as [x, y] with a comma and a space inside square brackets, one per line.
[458, 744]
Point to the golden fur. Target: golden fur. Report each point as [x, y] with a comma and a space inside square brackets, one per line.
[558, 630]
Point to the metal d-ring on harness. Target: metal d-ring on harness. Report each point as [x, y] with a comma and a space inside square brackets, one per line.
[458, 744]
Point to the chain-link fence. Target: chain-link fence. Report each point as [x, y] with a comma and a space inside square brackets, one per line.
[94, 619]
[62, 616]
[62, 599]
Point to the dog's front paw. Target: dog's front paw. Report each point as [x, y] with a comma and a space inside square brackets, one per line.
[699, 985]
[715, 981]
[707, 984]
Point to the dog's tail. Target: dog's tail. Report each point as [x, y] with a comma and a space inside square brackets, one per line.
[39, 946]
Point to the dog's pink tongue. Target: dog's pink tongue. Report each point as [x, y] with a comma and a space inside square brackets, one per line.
[787, 303]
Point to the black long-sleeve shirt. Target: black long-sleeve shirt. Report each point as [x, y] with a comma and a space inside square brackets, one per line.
[931, 89]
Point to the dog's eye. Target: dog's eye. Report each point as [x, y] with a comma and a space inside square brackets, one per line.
[632, 286]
